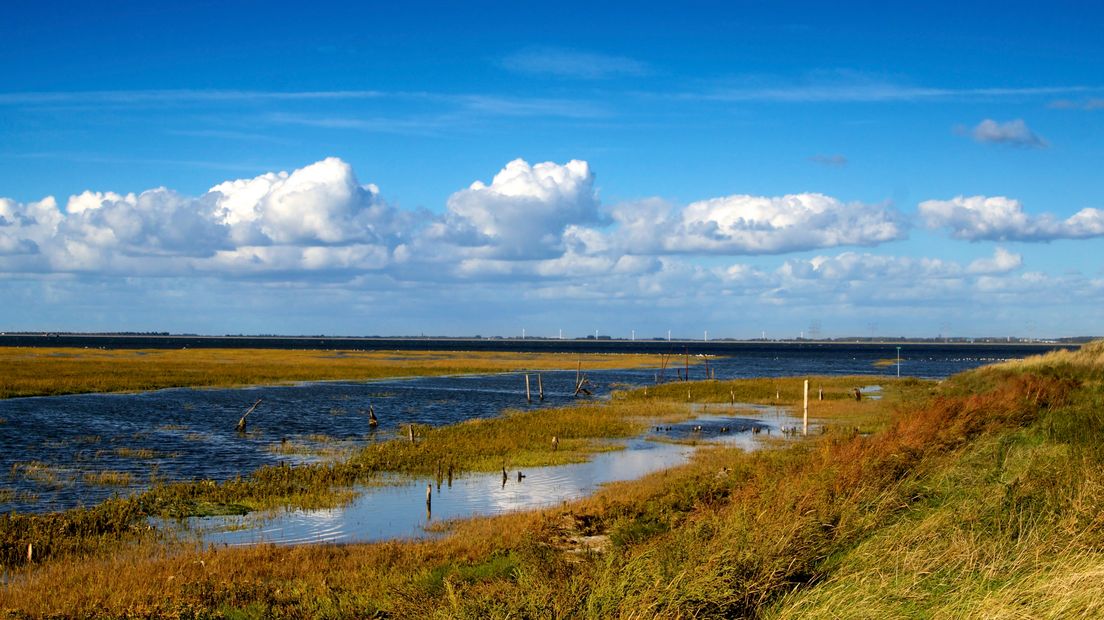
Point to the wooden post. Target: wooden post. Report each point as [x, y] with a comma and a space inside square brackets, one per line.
[450, 475]
[732, 396]
[30, 553]
[242, 423]
[528, 397]
[820, 393]
[429, 494]
[410, 429]
[805, 418]
[540, 387]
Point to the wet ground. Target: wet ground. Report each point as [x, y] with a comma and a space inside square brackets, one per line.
[63, 451]
[401, 511]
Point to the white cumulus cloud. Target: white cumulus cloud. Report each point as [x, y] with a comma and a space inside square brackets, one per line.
[1001, 262]
[999, 218]
[743, 224]
[322, 203]
[523, 213]
[315, 218]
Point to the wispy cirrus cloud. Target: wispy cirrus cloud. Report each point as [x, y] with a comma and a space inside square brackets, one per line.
[422, 125]
[536, 106]
[845, 86]
[566, 63]
[1092, 103]
[178, 96]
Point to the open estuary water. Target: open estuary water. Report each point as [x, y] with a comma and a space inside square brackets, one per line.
[54, 450]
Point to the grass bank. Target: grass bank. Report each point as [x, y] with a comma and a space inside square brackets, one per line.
[31, 371]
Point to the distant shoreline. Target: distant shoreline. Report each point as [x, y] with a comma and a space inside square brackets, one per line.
[535, 345]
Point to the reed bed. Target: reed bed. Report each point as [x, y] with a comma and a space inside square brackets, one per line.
[48, 371]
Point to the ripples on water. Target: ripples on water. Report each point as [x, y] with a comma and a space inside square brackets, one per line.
[189, 433]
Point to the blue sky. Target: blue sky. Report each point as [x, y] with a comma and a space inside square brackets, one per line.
[732, 167]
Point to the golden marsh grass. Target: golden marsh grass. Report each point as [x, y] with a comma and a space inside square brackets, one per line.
[46, 371]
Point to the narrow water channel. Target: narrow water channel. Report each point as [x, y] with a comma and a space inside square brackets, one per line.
[400, 511]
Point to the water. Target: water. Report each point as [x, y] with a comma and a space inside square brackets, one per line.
[400, 511]
[49, 445]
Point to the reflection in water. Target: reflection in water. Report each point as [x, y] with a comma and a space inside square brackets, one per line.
[398, 512]
[401, 511]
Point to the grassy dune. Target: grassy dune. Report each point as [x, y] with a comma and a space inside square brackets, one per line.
[977, 497]
[48, 371]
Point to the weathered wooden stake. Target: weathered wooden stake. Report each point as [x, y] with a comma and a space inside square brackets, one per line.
[820, 393]
[241, 423]
[528, 397]
[688, 394]
[30, 553]
[732, 396]
[540, 387]
[450, 475]
[429, 497]
[410, 430]
[805, 418]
